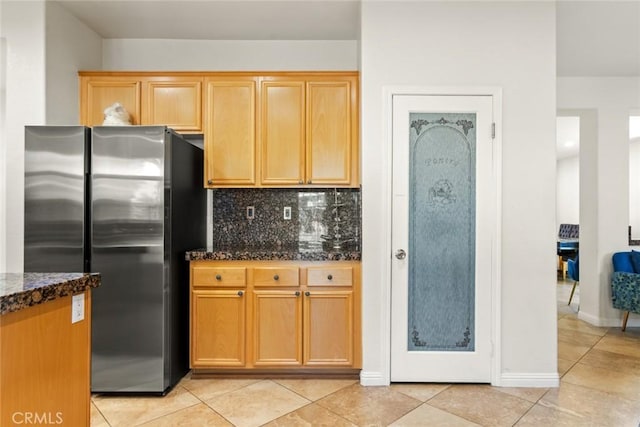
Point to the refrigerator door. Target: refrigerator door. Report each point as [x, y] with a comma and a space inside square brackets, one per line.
[127, 231]
[54, 198]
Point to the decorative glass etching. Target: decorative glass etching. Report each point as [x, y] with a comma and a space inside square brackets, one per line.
[442, 202]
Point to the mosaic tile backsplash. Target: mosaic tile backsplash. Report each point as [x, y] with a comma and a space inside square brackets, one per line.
[321, 219]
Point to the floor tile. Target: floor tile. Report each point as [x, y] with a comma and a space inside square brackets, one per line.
[97, 420]
[257, 404]
[315, 389]
[573, 352]
[369, 406]
[310, 415]
[608, 380]
[622, 344]
[427, 415]
[205, 389]
[481, 404]
[564, 366]
[595, 407]
[575, 324]
[194, 416]
[422, 392]
[532, 394]
[129, 411]
[541, 415]
[614, 361]
[578, 338]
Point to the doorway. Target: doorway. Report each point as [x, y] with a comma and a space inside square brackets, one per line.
[444, 238]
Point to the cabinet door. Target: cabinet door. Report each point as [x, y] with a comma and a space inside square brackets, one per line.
[175, 102]
[277, 329]
[328, 328]
[218, 328]
[283, 124]
[230, 143]
[329, 133]
[99, 93]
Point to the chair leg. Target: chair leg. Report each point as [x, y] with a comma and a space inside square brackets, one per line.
[572, 291]
[624, 320]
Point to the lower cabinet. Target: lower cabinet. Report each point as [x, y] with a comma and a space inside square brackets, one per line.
[275, 316]
[218, 328]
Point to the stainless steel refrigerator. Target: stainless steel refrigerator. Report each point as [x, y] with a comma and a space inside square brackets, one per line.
[127, 202]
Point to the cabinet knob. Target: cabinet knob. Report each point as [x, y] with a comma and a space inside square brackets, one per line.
[330, 277]
[307, 293]
[218, 277]
[301, 182]
[240, 293]
[276, 277]
[297, 293]
[210, 182]
[309, 182]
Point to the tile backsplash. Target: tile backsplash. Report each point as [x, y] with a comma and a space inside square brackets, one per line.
[321, 219]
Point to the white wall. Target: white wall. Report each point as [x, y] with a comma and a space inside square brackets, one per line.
[568, 191]
[604, 183]
[229, 55]
[45, 47]
[506, 44]
[70, 46]
[634, 187]
[22, 27]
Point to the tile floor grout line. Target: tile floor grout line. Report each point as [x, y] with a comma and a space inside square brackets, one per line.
[100, 412]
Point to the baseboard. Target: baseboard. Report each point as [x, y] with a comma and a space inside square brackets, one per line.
[616, 322]
[373, 379]
[525, 379]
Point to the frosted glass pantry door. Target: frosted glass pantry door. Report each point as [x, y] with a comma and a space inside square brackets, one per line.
[441, 267]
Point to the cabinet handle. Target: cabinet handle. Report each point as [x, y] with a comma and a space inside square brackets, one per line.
[309, 182]
[240, 293]
[297, 293]
[218, 277]
[330, 277]
[301, 182]
[276, 277]
[307, 293]
[210, 182]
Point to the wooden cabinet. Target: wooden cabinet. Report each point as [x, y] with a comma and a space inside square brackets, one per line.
[97, 93]
[261, 129]
[171, 100]
[298, 317]
[230, 131]
[309, 131]
[218, 316]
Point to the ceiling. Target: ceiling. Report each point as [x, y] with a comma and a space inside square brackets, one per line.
[593, 38]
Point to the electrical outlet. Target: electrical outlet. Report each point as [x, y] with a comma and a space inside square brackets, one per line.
[287, 212]
[77, 308]
[250, 212]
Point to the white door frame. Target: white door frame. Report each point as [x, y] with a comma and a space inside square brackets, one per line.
[496, 239]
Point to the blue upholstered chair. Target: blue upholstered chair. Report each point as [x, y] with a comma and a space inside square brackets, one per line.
[574, 274]
[625, 283]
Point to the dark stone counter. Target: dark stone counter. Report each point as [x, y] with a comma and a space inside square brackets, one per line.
[262, 254]
[22, 290]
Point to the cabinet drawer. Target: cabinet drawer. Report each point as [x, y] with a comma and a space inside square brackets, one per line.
[330, 276]
[220, 276]
[276, 276]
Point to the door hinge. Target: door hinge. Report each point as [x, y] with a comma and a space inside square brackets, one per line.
[493, 131]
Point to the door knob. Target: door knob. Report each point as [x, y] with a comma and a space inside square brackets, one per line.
[401, 254]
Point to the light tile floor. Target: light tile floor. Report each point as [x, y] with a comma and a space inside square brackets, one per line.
[600, 386]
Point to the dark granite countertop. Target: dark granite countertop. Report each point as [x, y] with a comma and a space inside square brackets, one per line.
[22, 290]
[272, 254]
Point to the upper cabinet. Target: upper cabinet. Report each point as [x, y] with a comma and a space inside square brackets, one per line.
[309, 131]
[230, 131]
[261, 129]
[174, 101]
